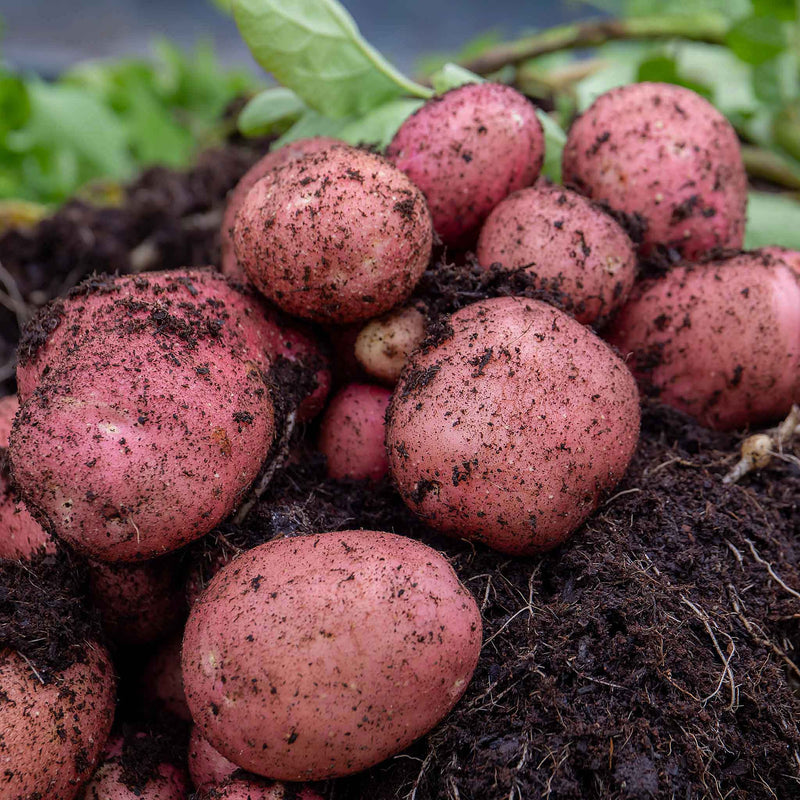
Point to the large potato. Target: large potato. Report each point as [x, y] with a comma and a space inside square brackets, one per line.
[666, 154]
[318, 656]
[51, 735]
[337, 236]
[720, 341]
[510, 430]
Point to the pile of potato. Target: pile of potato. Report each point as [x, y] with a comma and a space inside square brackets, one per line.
[149, 405]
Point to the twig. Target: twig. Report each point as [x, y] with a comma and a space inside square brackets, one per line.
[12, 298]
[710, 28]
[771, 166]
[33, 669]
[774, 575]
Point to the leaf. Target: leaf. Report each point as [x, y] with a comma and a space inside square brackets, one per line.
[271, 111]
[772, 219]
[785, 10]
[223, 5]
[312, 123]
[15, 106]
[451, 76]
[314, 48]
[756, 40]
[554, 140]
[664, 69]
[378, 127]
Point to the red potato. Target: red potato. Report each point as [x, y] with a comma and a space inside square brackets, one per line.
[719, 341]
[337, 236]
[352, 433]
[468, 149]
[510, 430]
[207, 767]
[21, 536]
[249, 789]
[9, 406]
[570, 243]
[789, 257]
[318, 656]
[51, 735]
[138, 603]
[142, 445]
[666, 154]
[384, 344]
[161, 683]
[229, 266]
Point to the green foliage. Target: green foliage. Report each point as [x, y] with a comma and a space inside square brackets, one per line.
[757, 39]
[772, 219]
[272, 111]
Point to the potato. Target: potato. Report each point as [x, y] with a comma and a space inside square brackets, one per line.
[337, 236]
[250, 789]
[719, 341]
[229, 266]
[665, 154]
[161, 682]
[789, 257]
[20, 534]
[319, 656]
[207, 767]
[384, 344]
[52, 734]
[9, 406]
[510, 431]
[352, 433]
[468, 149]
[569, 243]
[143, 444]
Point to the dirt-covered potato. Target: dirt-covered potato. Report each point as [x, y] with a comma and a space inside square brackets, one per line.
[229, 266]
[52, 733]
[161, 682]
[662, 153]
[20, 534]
[321, 655]
[352, 433]
[467, 149]
[511, 428]
[254, 789]
[337, 236]
[570, 244]
[207, 767]
[9, 405]
[720, 341]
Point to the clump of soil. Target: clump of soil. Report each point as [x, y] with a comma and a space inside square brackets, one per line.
[654, 655]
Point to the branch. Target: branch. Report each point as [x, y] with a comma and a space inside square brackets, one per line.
[771, 166]
[710, 28]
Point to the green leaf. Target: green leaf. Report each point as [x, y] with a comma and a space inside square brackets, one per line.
[451, 76]
[314, 48]
[772, 219]
[756, 40]
[554, 140]
[312, 123]
[378, 127]
[271, 111]
[664, 69]
[15, 106]
[780, 9]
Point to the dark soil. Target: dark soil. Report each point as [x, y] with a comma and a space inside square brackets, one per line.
[652, 656]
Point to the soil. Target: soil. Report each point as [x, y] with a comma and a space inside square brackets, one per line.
[652, 656]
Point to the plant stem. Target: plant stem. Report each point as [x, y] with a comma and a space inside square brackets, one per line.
[710, 28]
[771, 167]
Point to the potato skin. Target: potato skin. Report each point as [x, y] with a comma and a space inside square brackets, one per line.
[719, 341]
[570, 243]
[9, 405]
[467, 149]
[51, 736]
[509, 431]
[249, 789]
[207, 767]
[318, 656]
[666, 154]
[108, 784]
[352, 433]
[21, 536]
[337, 236]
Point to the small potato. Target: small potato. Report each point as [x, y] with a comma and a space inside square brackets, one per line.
[719, 341]
[229, 266]
[254, 789]
[566, 241]
[666, 154]
[207, 767]
[318, 656]
[510, 430]
[9, 406]
[51, 735]
[337, 236]
[21, 536]
[384, 344]
[161, 682]
[352, 433]
[468, 149]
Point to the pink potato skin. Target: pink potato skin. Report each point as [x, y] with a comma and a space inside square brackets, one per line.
[142, 447]
[51, 736]
[9, 406]
[21, 536]
[108, 784]
[789, 257]
[337, 236]
[666, 154]
[468, 149]
[719, 341]
[318, 656]
[352, 433]
[207, 767]
[247, 789]
[229, 266]
[509, 431]
[161, 682]
[572, 245]
[196, 294]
